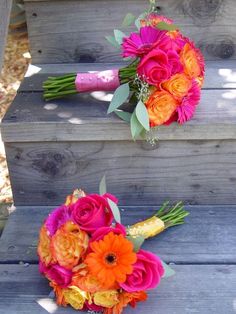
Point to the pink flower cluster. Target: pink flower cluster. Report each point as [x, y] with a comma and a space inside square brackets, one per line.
[171, 65]
[90, 263]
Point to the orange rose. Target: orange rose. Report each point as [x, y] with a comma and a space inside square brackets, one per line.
[69, 244]
[178, 85]
[191, 61]
[160, 106]
[44, 250]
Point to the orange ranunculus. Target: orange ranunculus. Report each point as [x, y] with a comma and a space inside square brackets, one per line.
[71, 199]
[111, 259]
[178, 85]
[59, 294]
[44, 250]
[191, 61]
[69, 244]
[88, 282]
[160, 106]
[126, 298]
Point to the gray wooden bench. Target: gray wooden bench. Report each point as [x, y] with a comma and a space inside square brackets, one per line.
[54, 147]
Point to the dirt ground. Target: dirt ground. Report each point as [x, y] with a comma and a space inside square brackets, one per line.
[16, 60]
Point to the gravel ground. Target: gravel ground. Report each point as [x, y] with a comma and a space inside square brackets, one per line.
[16, 60]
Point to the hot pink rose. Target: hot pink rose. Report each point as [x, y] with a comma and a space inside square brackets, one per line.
[147, 273]
[56, 273]
[101, 232]
[92, 212]
[155, 67]
[174, 60]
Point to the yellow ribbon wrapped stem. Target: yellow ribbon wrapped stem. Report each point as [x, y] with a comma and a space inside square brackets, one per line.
[147, 228]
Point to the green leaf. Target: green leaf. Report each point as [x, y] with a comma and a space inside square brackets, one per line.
[119, 35]
[166, 27]
[168, 270]
[137, 242]
[128, 20]
[142, 115]
[120, 96]
[102, 186]
[126, 116]
[112, 41]
[135, 126]
[115, 210]
[138, 20]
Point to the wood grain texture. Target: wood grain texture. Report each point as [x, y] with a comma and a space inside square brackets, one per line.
[219, 75]
[207, 237]
[198, 172]
[5, 9]
[57, 37]
[84, 118]
[194, 289]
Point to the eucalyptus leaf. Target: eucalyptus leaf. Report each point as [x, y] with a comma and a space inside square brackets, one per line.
[112, 41]
[126, 116]
[166, 27]
[137, 242]
[102, 186]
[120, 96]
[115, 210]
[142, 115]
[119, 35]
[168, 270]
[128, 20]
[135, 126]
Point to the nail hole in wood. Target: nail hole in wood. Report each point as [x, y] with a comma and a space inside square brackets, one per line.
[39, 51]
[35, 14]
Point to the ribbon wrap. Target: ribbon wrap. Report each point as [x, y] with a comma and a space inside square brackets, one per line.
[147, 228]
[97, 81]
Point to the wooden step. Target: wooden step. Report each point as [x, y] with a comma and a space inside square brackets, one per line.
[208, 236]
[56, 36]
[202, 252]
[200, 289]
[69, 142]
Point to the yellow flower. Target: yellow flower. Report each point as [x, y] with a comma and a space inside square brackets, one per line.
[75, 297]
[107, 298]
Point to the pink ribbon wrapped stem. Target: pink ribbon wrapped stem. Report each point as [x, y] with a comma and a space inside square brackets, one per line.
[98, 81]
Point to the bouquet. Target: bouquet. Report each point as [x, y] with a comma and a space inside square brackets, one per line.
[162, 83]
[93, 262]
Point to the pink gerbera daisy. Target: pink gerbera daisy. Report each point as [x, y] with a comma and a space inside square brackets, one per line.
[187, 108]
[141, 43]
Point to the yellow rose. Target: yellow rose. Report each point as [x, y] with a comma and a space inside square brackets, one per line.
[108, 298]
[75, 297]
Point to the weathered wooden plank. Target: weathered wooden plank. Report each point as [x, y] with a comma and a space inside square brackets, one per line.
[194, 289]
[207, 237]
[84, 117]
[5, 9]
[219, 75]
[198, 172]
[56, 36]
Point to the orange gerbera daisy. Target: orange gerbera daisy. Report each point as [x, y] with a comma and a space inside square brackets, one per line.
[111, 260]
